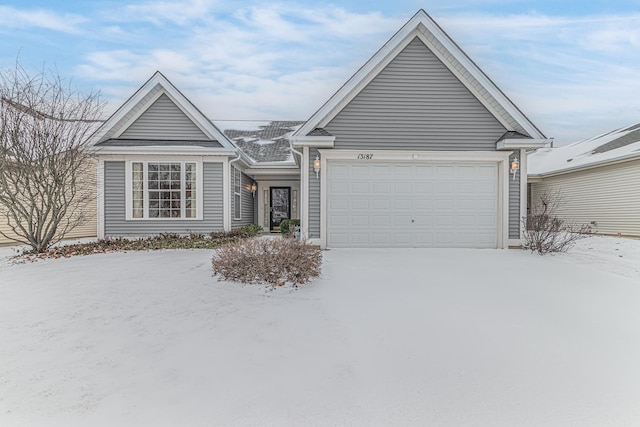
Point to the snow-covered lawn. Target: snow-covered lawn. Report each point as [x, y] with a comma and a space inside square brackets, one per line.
[385, 337]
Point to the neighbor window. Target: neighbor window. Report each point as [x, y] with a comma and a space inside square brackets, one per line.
[163, 190]
[237, 193]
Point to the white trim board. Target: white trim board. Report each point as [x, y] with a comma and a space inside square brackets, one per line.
[501, 158]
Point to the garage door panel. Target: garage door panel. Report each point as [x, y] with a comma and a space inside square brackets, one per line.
[339, 188]
[381, 204]
[445, 171]
[382, 220]
[337, 220]
[403, 204]
[422, 187]
[360, 170]
[359, 188]
[424, 172]
[446, 187]
[412, 205]
[402, 239]
[382, 188]
[403, 188]
[360, 204]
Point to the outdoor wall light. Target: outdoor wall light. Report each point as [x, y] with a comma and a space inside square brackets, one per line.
[316, 166]
[515, 167]
[254, 187]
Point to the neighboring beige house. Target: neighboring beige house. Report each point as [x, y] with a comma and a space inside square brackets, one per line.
[598, 180]
[88, 229]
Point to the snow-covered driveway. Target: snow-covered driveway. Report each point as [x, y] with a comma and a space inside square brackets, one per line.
[401, 337]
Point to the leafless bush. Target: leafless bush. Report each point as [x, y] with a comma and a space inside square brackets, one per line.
[545, 231]
[273, 261]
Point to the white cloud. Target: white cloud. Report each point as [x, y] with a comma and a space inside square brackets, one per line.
[574, 77]
[159, 12]
[39, 18]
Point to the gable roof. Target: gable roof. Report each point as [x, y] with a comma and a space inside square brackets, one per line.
[421, 25]
[620, 144]
[144, 98]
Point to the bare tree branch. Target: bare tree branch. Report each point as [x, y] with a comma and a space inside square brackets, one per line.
[44, 126]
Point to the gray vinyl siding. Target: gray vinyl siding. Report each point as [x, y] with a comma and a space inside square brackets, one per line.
[132, 113]
[514, 203]
[314, 198]
[415, 103]
[163, 120]
[114, 206]
[248, 210]
[472, 81]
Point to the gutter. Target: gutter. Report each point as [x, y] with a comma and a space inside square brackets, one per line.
[626, 158]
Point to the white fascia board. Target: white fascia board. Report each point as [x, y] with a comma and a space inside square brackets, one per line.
[168, 150]
[313, 141]
[273, 171]
[608, 162]
[522, 143]
[415, 156]
[390, 49]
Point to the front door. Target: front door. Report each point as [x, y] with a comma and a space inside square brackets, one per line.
[280, 206]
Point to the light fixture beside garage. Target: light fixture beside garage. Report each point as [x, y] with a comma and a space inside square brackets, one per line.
[515, 167]
[254, 187]
[316, 166]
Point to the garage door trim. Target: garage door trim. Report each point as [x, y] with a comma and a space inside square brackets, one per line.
[501, 158]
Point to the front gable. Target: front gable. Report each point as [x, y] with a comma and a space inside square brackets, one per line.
[415, 102]
[158, 114]
[423, 37]
[163, 120]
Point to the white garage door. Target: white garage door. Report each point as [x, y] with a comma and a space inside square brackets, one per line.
[388, 204]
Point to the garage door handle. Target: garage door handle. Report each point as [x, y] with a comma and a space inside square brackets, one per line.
[413, 220]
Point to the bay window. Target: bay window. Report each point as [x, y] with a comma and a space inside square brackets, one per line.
[163, 190]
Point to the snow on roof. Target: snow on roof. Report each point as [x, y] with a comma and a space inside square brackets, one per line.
[262, 140]
[611, 146]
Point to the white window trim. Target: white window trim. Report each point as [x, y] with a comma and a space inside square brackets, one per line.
[129, 189]
[237, 171]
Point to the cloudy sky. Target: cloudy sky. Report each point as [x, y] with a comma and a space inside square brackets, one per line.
[573, 67]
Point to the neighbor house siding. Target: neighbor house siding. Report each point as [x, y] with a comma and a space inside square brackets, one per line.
[163, 120]
[314, 198]
[415, 103]
[514, 203]
[606, 195]
[86, 187]
[247, 201]
[114, 205]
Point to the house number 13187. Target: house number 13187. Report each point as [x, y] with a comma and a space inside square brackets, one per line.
[365, 156]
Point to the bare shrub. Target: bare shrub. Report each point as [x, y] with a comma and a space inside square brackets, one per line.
[545, 231]
[273, 261]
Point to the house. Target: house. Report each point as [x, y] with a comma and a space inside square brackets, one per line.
[419, 148]
[87, 228]
[596, 181]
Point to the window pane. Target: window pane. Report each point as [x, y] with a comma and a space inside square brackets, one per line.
[138, 189]
[165, 180]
